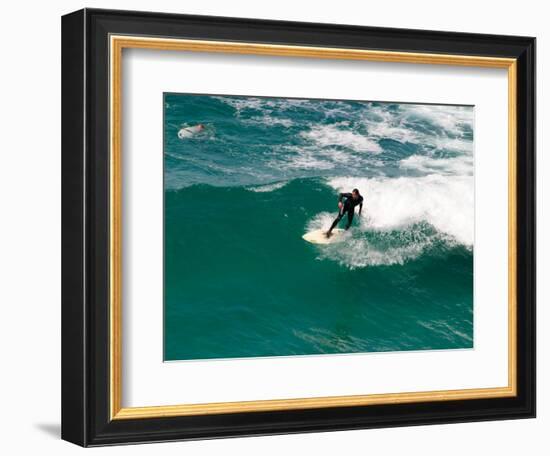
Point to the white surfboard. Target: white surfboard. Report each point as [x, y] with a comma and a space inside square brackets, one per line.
[319, 236]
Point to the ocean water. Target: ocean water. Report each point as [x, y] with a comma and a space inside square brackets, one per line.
[239, 279]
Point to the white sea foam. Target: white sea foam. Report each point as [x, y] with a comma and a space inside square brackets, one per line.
[265, 106]
[242, 103]
[269, 121]
[462, 165]
[267, 188]
[450, 118]
[401, 125]
[454, 144]
[305, 158]
[335, 135]
[261, 104]
[363, 246]
[445, 202]
[385, 130]
[361, 253]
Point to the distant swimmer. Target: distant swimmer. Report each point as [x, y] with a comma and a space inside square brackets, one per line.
[187, 132]
[347, 207]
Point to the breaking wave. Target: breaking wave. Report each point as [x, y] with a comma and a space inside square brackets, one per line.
[444, 202]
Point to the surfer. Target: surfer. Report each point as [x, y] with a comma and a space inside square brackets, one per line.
[187, 132]
[348, 206]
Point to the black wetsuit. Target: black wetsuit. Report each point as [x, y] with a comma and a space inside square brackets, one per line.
[349, 208]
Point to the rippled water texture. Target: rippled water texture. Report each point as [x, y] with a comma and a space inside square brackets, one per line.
[239, 194]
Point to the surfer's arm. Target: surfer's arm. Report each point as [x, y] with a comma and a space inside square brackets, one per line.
[343, 195]
[360, 207]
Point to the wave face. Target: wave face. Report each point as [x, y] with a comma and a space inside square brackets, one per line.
[240, 281]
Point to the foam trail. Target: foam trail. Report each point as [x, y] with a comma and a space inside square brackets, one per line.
[363, 247]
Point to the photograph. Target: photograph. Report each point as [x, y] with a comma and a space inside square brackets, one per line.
[283, 223]
[297, 226]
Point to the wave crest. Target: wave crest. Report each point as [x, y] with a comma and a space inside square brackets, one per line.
[445, 202]
[402, 218]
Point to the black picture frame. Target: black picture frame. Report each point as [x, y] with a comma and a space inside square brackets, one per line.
[85, 228]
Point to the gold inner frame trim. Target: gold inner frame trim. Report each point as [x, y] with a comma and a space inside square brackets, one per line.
[117, 44]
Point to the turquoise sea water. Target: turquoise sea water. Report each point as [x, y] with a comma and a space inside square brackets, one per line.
[239, 279]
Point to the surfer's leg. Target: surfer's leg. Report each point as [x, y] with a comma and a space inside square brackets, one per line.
[336, 221]
[350, 218]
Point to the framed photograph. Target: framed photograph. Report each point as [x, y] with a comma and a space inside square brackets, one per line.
[278, 227]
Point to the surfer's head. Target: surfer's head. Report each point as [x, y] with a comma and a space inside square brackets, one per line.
[200, 126]
[355, 193]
